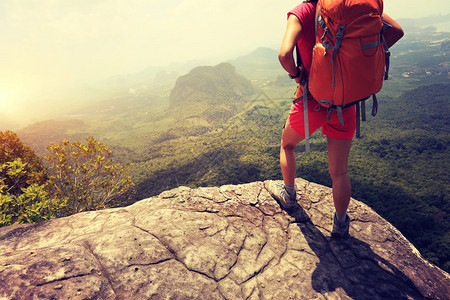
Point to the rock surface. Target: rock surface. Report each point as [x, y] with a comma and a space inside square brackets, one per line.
[229, 242]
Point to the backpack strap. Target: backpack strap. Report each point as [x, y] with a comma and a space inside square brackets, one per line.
[358, 121]
[363, 110]
[304, 97]
[374, 105]
[304, 82]
[297, 53]
[361, 113]
[339, 37]
[387, 53]
[300, 64]
[327, 34]
[305, 112]
[340, 115]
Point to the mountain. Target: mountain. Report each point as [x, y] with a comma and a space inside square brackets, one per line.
[259, 65]
[227, 242]
[219, 83]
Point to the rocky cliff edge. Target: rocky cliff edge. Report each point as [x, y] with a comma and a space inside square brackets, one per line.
[229, 242]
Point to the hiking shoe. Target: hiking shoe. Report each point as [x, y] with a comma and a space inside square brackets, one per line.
[340, 229]
[280, 194]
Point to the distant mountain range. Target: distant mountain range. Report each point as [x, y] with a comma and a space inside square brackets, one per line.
[440, 22]
[259, 65]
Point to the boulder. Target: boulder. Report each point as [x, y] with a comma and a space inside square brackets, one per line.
[228, 242]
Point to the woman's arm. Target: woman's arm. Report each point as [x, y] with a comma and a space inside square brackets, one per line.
[395, 33]
[291, 36]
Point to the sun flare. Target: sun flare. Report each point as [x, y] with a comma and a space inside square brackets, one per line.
[5, 101]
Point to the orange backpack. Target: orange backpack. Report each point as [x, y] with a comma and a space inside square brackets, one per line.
[350, 58]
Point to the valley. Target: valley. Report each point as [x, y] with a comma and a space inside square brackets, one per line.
[222, 124]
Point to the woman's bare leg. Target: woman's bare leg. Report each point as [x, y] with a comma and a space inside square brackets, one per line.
[288, 165]
[338, 152]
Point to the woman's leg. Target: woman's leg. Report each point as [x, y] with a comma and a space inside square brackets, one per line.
[288, 165]
[338, 152]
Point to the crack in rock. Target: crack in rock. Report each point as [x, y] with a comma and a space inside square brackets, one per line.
[103, 270]
[63, 279]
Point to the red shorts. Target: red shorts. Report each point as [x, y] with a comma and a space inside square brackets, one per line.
[317, 116]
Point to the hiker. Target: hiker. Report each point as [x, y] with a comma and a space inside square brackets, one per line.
[300, 31]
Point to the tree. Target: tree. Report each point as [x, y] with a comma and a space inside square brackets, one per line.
[85, 175]
[32, 171]
[32, 205]
[79, 177]
[23, 195]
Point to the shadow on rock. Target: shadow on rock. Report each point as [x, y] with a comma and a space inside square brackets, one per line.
[350, 265]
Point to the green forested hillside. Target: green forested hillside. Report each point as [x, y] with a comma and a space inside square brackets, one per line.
[214, 127]
[407, 161]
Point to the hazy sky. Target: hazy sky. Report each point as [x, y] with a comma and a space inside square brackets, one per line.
[47, 46]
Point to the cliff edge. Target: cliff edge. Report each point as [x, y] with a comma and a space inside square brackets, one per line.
[229, 242]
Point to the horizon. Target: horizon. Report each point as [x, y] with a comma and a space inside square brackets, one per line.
[50, 49]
